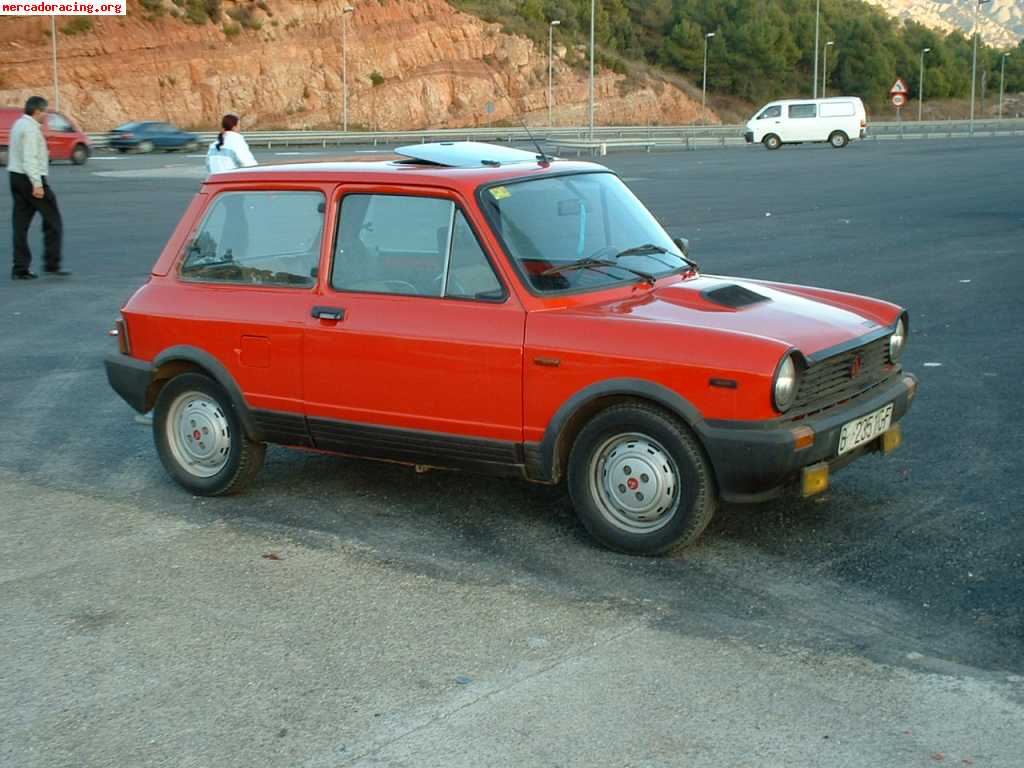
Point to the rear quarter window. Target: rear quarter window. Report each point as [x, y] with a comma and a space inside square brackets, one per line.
[258, 238]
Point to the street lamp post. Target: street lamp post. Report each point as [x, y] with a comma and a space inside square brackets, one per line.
[53, 38]
[704, 82]
[974, 60]
[817, 27]
[593, 10]
[344, 65]
[824, 68]
[1002, 81]
[920, 86]
[551, 48]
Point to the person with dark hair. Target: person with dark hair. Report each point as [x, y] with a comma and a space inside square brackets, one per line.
[28, 163]
[229, 150]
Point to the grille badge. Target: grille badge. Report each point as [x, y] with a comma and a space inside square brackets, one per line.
[856, 367]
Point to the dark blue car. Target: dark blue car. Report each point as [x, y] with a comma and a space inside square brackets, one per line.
[149, 135]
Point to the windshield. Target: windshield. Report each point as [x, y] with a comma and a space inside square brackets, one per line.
[550, 224]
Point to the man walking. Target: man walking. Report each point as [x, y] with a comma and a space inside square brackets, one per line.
[28, 163]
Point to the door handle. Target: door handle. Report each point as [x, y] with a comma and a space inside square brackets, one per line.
[329, 313]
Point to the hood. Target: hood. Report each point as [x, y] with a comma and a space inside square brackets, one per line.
[810, 320]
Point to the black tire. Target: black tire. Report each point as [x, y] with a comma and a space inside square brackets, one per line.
[240, 459]
[80, 154]
[771, 141]
[649, 449]
[145, 147]
[121, 150]
[838, 139]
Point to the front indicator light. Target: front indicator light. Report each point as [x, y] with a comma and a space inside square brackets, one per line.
[814, 479]
[803, 437]
[911, 384]
[892, 439]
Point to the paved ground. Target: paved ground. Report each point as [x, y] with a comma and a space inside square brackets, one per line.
[453, 620]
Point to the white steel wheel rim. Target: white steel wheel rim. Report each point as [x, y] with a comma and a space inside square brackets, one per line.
[199, 434]
[635, 483]
[837, 140]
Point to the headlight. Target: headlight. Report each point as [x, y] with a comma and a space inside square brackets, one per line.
[898, 341]
[784, 391]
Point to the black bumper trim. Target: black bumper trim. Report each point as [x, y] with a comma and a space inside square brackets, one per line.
[130, 378]
[753, 463]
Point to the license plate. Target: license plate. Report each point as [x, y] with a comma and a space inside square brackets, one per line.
[865, 429]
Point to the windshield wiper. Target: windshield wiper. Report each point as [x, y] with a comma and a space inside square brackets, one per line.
[599, 265]
[649, 248]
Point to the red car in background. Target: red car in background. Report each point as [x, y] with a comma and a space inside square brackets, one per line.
[484, 308]
[65, 140]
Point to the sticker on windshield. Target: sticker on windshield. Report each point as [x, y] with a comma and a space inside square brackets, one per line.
[500, 193]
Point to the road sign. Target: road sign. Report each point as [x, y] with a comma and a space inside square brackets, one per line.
[898, 99]
[900, 86]
[489, 107]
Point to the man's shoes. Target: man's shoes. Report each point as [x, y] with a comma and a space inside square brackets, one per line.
[26, 275]
[58, 272]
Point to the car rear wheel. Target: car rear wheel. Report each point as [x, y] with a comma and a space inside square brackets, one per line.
[145, 147]
[771, 141]
[838, 139]
[79, 154]
[639, 481]
[200, 438]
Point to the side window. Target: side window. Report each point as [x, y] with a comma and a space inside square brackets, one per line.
[802, 110]
[261, 238]
[469, 274]
[58, 123]
[775, 111]
[415, 246]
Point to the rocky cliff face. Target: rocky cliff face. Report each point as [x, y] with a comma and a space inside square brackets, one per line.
[412, 64]
[1000, 22]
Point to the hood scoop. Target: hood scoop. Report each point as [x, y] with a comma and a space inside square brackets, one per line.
[733, 296]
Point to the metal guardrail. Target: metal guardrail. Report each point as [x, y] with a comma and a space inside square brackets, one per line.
[674, 137]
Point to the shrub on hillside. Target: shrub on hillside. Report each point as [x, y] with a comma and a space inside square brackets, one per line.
[77, 25]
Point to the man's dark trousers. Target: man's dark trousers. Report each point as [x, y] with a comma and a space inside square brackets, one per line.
[25, 207]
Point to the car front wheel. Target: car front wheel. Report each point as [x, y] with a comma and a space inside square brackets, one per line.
[200, 438]
[639, 481]
[145, 147]
[771, 141]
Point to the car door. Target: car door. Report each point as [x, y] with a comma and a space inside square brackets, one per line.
[769, 121]
[414, 349]
[60, 136]
[244, 287]
[802, 122]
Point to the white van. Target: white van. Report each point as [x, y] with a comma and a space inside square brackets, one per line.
[794, 121]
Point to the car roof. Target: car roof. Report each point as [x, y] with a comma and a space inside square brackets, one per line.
[808, 101]
[439, 164]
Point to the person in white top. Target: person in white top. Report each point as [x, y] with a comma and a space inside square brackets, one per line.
[229, 150]
[28, 164]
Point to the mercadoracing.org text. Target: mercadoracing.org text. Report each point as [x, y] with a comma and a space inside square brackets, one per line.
[63, 9]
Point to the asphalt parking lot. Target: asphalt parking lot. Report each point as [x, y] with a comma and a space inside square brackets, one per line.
[351, 613]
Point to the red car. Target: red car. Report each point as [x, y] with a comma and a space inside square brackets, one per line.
[64, 139]
[484, 308]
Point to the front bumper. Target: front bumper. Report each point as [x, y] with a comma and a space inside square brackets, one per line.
[749, 136]
[754, 461]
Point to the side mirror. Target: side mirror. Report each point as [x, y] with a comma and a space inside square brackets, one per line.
[683, 244]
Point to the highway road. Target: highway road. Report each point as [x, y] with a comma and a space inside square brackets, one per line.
[447, 619]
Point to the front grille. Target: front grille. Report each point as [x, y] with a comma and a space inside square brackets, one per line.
[829, 382]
